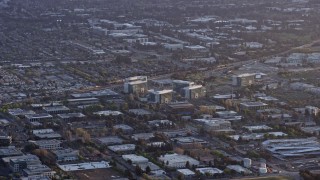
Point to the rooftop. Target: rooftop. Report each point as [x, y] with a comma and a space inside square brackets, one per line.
[186, 172]
[84, 166]
[123, 147]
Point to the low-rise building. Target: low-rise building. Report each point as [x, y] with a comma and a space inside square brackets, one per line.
[52, 144]
[5, 140]
[135, 159]
[9, 151]
[178, 161]
[186, 173]
[252, 106]
[63, 155]
[124, 128]
[71, 116]
[83, 101]
[142, 136]
[110, 140]
[239, 169]
[46, 134]
[209, 171]
[181, 108]
[56, 109]
[18, 163]
[38, 171]
[124, 148]
[38, 117]
[187, 141]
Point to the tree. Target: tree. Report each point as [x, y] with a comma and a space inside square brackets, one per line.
[148, 169]
[128, 174]
[138, 171]
[188, 165]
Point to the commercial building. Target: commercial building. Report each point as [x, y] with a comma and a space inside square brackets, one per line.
[160, 123]
[163, 96]
[212, 125]
[194, 92]
[38, 117]
[226, 114]
[124, 128]
[20, 112]
[186, 173]
[142, 136]
[312, 110]
[188, 141]
[71, 116]
[9, 151]
[209, 171]
[243, 79]
[136, 85]
[182, 108]
[124, 148]
[178, 85]
[239, 169]
[84, 166]
[46, 134]
[56, 109]
[178, 161]
[105, 93]
[108, 113]
[135, 159]
[5, 140]
[83, 101]
[18, 163]
[252, 106]
[110, 140]
[52, 144]
[38, 171]
[173, 47]
[293, 147]
[63, 155]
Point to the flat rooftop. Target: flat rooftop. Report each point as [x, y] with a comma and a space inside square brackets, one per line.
[84, 166]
